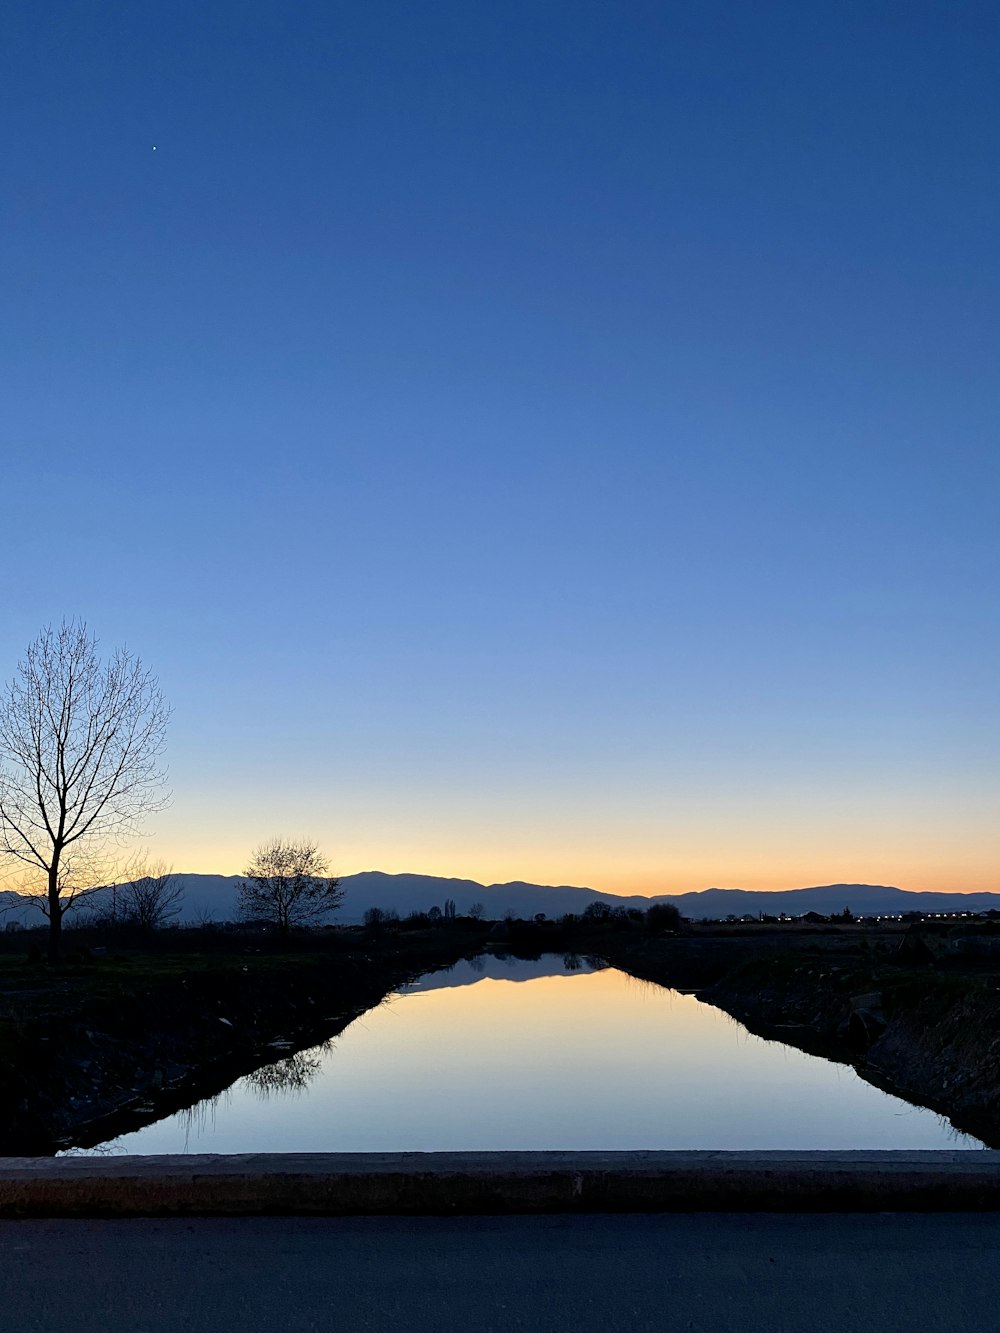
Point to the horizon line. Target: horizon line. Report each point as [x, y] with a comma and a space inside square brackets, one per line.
[615, 893]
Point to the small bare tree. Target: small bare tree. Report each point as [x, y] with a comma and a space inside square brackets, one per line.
[150, 898]
[374, 919]
[287, 884]
[377, 919]
[80, 741]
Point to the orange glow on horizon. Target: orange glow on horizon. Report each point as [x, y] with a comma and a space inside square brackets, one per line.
[620, 840]
[629, 878]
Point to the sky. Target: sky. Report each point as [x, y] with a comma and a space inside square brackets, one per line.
[527, 440]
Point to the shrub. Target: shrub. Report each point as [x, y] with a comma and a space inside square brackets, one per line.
[663, 916]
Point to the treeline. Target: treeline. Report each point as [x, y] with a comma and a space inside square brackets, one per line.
[538, 931]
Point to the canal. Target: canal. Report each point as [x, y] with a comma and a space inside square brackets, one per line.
[500, 1053]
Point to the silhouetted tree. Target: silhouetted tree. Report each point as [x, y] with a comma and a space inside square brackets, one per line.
[596, 911]
[287, 883]
[434, 913]
[663, 916]
[477, 911]
[151, 898]
[79, 745]
[449, 912]
[377, 919]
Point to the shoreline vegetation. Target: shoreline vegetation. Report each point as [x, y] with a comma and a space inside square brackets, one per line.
[914, 1011]
[127, 1029]
[112, 1038]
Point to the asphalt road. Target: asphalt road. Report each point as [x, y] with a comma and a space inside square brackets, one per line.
[686, 1273]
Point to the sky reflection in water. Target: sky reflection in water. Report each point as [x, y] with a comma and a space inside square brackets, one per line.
[501, 1054]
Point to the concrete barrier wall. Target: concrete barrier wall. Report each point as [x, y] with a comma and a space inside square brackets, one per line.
[335, 1184]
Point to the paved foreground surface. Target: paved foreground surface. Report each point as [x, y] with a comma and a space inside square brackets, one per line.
[447, 1183]
[686, 1273]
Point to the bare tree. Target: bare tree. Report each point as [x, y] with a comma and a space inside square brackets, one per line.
[80, 741]
[104, 904]
[81, 868]
[150, 898]
[377, 919]
[287, 884]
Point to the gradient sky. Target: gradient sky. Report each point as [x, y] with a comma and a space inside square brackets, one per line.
[528, 440]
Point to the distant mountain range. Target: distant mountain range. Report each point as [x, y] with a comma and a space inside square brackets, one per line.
[213, 897]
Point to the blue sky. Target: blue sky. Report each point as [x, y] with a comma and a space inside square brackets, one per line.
[528, 441]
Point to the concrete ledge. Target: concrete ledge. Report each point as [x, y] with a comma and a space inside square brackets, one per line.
[339, 1184]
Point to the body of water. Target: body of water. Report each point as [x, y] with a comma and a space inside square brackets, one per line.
[506, 1054]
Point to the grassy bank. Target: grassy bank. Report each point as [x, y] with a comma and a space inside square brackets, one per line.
[103, 1043]
[124, 1033]
[916, 1012]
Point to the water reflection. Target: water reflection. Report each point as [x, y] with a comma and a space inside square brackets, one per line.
[545, 1053]
[291, 1075]
[502, 966]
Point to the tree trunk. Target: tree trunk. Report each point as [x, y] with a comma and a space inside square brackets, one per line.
[55, 911]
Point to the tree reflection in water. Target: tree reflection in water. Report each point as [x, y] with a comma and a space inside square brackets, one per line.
[572, 962]
[291, 1075]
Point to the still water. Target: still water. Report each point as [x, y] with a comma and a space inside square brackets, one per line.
[498, 1054]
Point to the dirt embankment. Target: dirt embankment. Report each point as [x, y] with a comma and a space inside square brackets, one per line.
[92, 1050]
[913, 1015]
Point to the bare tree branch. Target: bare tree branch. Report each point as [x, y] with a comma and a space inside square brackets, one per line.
[286, 883]
[80, 744]
[151, 897]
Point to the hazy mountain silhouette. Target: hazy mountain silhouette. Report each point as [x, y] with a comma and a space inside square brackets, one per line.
[407, 893]
[214, 897]
[493, 967]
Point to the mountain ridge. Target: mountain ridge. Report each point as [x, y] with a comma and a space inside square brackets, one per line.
[214, 897]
